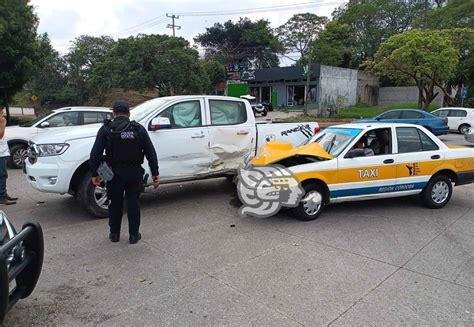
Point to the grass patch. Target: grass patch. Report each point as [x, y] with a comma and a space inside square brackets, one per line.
[362, 111]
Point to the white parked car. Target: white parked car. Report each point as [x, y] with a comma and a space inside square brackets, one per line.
[19, 136]
[459, 119]
[195, 137]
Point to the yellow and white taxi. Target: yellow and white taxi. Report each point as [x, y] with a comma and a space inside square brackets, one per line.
[368, 161]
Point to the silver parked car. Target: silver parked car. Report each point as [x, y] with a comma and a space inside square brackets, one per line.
[469, 135]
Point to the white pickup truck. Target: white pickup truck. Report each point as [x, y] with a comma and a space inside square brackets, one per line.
[195, 137]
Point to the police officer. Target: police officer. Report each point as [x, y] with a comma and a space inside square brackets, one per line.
[126, 143]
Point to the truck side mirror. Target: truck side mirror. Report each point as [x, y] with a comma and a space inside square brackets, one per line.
[44, 124]
[159, 123]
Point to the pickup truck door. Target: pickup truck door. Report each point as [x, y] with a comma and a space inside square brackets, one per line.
[370, 175]
[232, 139]
[418, 157]
[183, 149]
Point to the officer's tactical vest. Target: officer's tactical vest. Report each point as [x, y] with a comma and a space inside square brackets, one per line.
[126, 150]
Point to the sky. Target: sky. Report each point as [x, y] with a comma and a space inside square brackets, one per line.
[66, 20]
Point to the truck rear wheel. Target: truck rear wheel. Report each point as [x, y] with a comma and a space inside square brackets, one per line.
[93, 198]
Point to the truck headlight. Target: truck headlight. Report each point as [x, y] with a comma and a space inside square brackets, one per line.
[48, 150]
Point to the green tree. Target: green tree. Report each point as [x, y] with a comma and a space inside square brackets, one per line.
[371, 22]
[456, 13]
[216, 73]
[427, 58]
[18, 26]
[241, 42]
[49, 77]
[463, 40]
[85, 54]
[165, 64]
[297, 34]
[333, 46]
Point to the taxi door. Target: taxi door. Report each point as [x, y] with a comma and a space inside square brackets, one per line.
[417, 158]
[370, 175]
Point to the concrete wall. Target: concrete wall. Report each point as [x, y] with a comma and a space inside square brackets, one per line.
[403, 94]
[367, 88]
[337, 88]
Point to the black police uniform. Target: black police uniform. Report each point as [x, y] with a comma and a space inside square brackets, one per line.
[125, 143]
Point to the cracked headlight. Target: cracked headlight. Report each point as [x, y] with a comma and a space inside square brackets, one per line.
[48, 150]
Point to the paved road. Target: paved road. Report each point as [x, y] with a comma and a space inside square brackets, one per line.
[375, 262]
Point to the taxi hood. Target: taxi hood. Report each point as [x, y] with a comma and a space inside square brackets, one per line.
[273, 152]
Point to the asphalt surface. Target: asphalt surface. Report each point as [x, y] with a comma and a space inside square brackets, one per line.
[382, 262]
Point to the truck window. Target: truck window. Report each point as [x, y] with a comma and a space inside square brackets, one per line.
[224, 112]
[94, 117]
[64, 119]
[184, 114]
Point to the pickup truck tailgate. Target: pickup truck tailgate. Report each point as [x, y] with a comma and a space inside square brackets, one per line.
[294, 133]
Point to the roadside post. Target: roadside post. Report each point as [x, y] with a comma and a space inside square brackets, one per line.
[463, 94]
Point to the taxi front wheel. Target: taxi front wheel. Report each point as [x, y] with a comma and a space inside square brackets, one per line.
[312, 203]
[438, 192]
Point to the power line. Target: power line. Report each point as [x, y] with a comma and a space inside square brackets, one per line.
[141, 24]
[260, 9]
[159, 19]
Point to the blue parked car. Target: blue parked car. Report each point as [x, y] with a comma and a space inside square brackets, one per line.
[437, 125]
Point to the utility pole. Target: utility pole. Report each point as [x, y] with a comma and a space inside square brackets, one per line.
[172, 25]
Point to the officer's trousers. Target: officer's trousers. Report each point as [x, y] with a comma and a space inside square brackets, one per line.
[129, 181]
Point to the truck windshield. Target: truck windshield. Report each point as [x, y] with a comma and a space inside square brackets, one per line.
[335, 139]
[142, 110]
[34, 121]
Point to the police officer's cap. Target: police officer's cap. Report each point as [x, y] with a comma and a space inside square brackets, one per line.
[121, 106]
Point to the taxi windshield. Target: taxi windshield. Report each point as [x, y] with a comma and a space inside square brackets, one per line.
[335, 139]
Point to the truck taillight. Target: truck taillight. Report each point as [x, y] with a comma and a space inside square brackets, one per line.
[316, 130]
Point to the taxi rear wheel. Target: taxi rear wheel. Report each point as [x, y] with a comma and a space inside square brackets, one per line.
[438, 192]
[312, 203]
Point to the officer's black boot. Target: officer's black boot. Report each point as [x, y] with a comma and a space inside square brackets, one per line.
[114, 237]
[135, 238]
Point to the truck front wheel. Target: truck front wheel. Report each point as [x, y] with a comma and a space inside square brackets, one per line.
[93, 198]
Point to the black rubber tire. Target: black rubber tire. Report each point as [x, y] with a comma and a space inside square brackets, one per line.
[299, 212]
[85, 195]
[426, 193]
[464, 128]
[13, 150]
[265, 112]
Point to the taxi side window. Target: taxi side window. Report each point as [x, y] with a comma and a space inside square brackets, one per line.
[373, 143]
[411, 139]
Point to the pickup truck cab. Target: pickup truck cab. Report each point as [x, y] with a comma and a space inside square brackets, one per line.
[371, 161]
[195, 137]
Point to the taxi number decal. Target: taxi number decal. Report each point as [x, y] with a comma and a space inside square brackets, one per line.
[368, 173]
